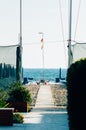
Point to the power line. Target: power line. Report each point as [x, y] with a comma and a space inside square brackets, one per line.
[60, 9]
[48, 42]
[77, 19]
[61, 19]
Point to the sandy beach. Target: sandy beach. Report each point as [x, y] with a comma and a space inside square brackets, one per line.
[59, 94]
[33, 89]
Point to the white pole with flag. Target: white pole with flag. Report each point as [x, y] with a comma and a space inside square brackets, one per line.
[42, 48]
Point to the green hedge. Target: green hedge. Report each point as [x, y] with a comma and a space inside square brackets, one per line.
[76, 88]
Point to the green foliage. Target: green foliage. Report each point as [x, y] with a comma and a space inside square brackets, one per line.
[17, 93]
[17, 118]
[76, 87]
[3, 99]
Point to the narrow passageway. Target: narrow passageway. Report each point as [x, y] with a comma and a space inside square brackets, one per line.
[45, 116]
[44, 98]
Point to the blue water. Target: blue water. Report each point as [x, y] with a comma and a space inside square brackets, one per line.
[46, 74]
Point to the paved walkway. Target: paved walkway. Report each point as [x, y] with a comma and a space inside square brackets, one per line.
[44, 98]
[44, 116]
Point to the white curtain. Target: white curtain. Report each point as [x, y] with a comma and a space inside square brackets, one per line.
[78, 51]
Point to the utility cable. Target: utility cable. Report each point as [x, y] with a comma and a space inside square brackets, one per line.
[77, 19]
[60, 9]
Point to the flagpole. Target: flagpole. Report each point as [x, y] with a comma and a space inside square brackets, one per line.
[42, 38]
[43, 53]
[69, 40]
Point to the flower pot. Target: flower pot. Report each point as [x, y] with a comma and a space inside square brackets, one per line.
[19, 106]
[6, 116]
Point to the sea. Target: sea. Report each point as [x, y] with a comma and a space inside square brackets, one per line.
[37, 74]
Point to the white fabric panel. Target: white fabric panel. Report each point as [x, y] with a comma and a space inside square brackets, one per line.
[78, 51]
[8, 55]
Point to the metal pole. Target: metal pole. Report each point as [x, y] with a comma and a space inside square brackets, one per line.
[43, 57]
[69, 40]
[42, 52]
[21, 40]
[21, 23]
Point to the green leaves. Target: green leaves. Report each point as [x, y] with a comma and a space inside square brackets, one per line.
[17, 93]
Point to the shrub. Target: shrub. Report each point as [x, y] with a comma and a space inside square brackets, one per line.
[76, 88]
[3, 96]
[18, 118]
[19, 98]
[17, 93]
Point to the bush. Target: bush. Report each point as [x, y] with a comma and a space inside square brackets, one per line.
[76, 88]
[17, 118]
[3, 96]
[19, 98]
[17, 93]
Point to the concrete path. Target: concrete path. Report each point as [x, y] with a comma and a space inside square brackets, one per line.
[44, 116]
[44, 98]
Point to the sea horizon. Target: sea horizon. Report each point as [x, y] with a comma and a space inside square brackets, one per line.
[49, 74]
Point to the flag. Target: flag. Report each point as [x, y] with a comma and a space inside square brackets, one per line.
[42, 44]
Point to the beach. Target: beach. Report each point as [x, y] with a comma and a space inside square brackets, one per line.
[59, 93]
[33, 89]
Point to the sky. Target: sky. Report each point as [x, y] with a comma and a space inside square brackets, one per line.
[49, 17]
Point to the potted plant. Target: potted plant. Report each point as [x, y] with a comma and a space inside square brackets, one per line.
[18, 97]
